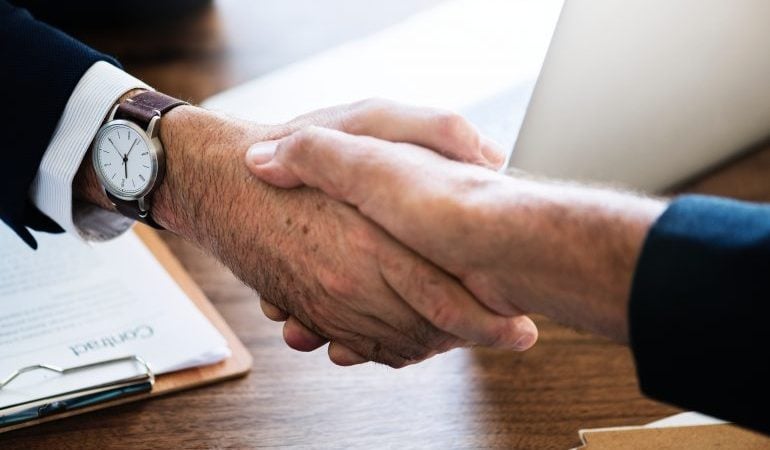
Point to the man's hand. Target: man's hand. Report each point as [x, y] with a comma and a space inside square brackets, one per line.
[443, 131]
[334, 271]
[516, 244]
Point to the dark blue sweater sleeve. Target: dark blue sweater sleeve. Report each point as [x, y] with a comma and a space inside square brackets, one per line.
[39, 68]
[700, 310]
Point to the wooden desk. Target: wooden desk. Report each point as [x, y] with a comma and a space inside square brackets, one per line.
[465, 399]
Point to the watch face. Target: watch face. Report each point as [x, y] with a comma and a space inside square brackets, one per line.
[124, 160]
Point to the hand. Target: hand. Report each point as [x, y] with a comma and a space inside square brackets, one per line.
[515, 244]
[333, 270]
[443, 131]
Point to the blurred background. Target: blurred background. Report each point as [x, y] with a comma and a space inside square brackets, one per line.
[196, 48]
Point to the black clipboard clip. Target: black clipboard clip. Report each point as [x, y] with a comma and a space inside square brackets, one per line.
[77, 398]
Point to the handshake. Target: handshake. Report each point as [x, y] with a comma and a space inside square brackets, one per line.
[386, 230]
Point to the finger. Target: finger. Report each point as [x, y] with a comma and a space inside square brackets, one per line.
[273, 312]
[449, 306]
[407, 334]
[335, 162]
[445, 132]
[439, 130]
[344, 356]
[259, 159]
[368, 349]
[299, 337]
[394, 335]
[374, 351]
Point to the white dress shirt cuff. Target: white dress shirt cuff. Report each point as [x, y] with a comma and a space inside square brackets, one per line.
[95, 94]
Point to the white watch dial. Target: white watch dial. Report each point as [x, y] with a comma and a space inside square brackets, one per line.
[124, 160]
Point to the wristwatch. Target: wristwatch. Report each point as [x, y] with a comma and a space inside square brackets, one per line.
[127, 154]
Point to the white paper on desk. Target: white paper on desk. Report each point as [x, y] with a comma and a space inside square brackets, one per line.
[479, 57]
[685, 419]
[71, 303]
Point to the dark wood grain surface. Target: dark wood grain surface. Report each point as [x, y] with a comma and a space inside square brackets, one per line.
[464, 399]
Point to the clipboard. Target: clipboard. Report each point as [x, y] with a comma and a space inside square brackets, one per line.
[685, 430]
[238, 364]
[686, 437]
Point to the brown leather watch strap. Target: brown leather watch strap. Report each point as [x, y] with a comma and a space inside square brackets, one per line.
[141, 108]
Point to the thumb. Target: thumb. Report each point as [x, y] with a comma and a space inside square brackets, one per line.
[332, 161]
[261, 161]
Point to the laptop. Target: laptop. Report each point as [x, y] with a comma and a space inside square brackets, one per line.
[648, 93]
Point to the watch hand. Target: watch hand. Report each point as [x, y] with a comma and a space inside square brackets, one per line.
[132, 147]
[125, 166]
[115, 147]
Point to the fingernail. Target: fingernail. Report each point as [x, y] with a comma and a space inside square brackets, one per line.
[261, 152]
[524, 342]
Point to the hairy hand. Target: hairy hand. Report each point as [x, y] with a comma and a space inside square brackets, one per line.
[515, 244]
[443, 131]
[334, 271]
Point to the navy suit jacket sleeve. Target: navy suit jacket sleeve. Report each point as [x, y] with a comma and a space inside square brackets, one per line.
[39, 68]
[700, 309]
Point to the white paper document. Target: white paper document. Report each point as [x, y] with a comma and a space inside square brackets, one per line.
[70, 303]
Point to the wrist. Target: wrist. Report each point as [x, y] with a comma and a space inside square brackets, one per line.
[203, 153]
[578, 251]
[197, 146]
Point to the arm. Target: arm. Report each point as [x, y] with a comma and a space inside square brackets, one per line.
[696, 275]
[561, 250]
[341, 276]
[699, 307]
[41, 67]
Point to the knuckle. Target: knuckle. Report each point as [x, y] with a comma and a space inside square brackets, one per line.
[443, 315]
[451, 124]
[372, 103]
[364, 113]
[364, 238]
[391, 265]
[300, 142]
[337, 285]
[457, 130]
